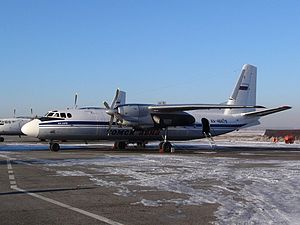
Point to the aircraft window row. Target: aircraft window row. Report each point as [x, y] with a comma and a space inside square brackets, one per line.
[59, 115]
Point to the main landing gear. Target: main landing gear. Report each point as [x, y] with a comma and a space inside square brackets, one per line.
[206, 132]
[54, 147]
[165, 146]
[120, 145]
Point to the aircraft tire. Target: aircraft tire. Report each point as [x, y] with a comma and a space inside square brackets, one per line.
[54, 147]
[120, 145]
[1, 139]
[141, 144]
[166, 146]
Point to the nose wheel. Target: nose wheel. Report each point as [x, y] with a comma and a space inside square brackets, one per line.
[54, 147]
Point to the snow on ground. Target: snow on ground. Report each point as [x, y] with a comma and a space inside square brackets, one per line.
[232, 143]
[256, 191]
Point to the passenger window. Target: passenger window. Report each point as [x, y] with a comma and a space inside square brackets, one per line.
[69, 115]
[56, 115]
[63, 115]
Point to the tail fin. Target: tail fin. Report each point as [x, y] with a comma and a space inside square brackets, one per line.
[244, 93]
[121, 98]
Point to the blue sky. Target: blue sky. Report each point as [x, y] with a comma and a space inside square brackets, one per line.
[177, 51]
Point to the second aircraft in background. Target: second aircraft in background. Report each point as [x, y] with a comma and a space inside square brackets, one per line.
[12, 126]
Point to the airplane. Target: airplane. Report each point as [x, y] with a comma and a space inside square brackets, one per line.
[12, 126]
[141, 123]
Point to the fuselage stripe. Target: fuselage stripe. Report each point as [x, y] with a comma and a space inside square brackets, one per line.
[105, 124]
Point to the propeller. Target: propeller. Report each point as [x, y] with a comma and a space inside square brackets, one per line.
[112, 111]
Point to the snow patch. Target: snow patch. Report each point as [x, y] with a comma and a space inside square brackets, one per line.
[264, 194]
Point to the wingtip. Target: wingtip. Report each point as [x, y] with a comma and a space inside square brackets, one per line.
[287, 107]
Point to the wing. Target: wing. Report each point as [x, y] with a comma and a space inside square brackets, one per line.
[187, 107]
[267, 111]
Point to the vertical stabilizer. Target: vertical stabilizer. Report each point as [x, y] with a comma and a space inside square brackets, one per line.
[121, 98]
[244, 93]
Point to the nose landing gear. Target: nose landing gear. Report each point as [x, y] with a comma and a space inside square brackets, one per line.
[54, 147]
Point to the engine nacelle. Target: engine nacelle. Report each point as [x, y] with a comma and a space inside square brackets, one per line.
[173, 119]
[141, 117]
[136, 116]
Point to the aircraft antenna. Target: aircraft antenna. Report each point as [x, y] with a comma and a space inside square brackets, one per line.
[75, 101]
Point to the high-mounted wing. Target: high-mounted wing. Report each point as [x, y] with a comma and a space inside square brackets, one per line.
[187, 107]
[267, 111]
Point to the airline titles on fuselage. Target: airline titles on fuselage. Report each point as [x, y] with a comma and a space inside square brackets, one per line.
[131, 132]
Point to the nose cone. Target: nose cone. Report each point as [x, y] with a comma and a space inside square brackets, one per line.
[31, 128]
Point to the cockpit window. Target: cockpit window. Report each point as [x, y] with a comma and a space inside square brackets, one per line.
[69, 115]
[55, 115]
[49, 114]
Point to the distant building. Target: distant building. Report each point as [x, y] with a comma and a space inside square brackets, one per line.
[282, 133]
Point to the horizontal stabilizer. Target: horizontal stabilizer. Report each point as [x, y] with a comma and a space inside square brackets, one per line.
[267, 111]
[187, 107]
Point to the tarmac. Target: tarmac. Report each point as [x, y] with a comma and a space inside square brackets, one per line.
[94, 184]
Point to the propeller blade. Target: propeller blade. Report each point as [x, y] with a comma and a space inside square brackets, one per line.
[113, 111]
[111, 122]
[115, 99]
[106, 105]
[110, 112]
[119, 117]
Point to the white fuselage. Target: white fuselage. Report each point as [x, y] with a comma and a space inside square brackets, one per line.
[122, 122]
[93, 124]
